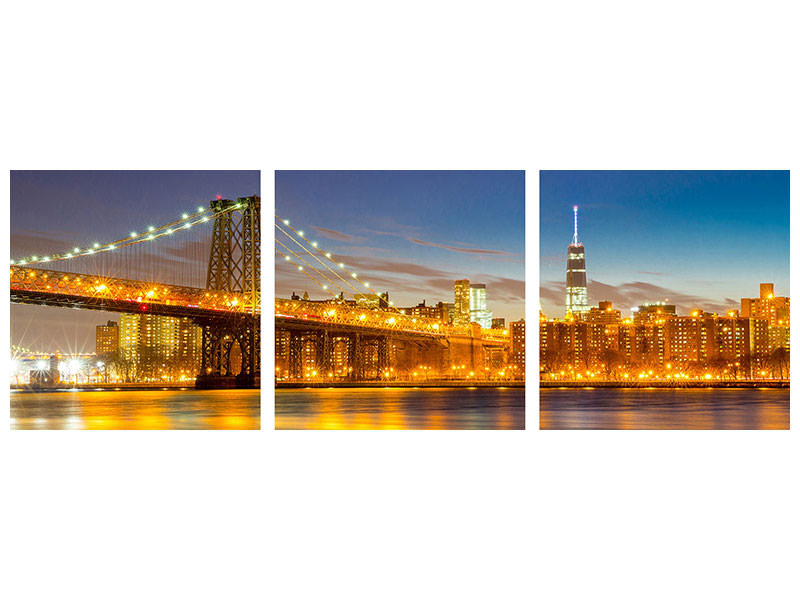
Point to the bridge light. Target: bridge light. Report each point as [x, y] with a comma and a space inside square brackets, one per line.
[169, 231]
[314, 244]
[341, 265]
[219, 197]
[96, 245]
[324, 287]
[362, 317]
[90, 251]
[150, 237]
[328, 254]
[299, 267]
[76, 250]
[22, 262]
[205, 219]
[184, 216]
[133, 234]
[286, 221]
[300, 233]
[46, 259]
[366, 284]
[287, 257]
[200, 209]
[12, 261]
[41, 365]
[112, 247]
[33, 258]
[354, 275]
[151, 228]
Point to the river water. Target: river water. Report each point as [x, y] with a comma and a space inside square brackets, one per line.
[629, 408]
[400, 408]
[136, 409]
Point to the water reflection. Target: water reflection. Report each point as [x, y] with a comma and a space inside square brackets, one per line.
[136, 409]
[626, 408]
[400, 408]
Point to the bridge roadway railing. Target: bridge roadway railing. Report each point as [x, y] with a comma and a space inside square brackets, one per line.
[140, 294]
[341, 313]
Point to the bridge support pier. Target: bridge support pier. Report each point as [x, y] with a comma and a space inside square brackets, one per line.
[218, 340]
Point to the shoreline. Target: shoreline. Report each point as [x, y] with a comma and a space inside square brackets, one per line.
[744, 384]
[399, 384]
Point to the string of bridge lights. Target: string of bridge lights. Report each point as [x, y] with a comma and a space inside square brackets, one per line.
[305, 263]
[150, 233]
[322, 253]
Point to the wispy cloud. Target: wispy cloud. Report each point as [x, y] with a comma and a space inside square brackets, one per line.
[458, 249]
[337, 235]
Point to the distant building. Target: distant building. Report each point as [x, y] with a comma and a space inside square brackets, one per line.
[577, 297]
[422, 310]
[446, 311]
[498, 323]
[372, 300]
[517, 333]
[603, 313]
[478, 312]
[461, 316]
[652, 312]
[153, 347]
[107, 339]
[767, 306]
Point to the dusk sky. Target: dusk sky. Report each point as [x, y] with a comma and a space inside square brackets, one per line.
[52, 211]
[700, 238]
[412, 233]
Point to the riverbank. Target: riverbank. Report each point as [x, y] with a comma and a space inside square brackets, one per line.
[400, 384]
[102, 387]
[740, 384]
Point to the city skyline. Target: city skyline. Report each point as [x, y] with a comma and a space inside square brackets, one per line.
[54, 210]
[695, 237]
[414, 232]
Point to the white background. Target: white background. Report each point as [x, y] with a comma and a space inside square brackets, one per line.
[367, 85]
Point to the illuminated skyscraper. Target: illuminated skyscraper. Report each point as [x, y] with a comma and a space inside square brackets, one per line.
[461, 314]
[107, 338]
[478, 312]
[157, 347]
[577, 298]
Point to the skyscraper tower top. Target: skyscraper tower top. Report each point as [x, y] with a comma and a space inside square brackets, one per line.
[577, 300]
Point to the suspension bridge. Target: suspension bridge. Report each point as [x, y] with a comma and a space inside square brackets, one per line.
[205, 266]
[355, 333]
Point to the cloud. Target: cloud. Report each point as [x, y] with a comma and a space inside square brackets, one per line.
[457, 249]
[633, 293]
[651, 273]
[337, 235]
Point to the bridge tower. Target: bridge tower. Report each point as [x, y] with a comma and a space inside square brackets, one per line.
[234, 265]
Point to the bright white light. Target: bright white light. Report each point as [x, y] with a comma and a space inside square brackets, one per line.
[200, 209]
[366, 284]
[34, 258]
[300, 233]
[287, 257]
[76, 250]
[286, 221]
[184, 216]
[205, 219]
[151, 228]
[13, 364]
[341, 265]
[74, 365]
[96, 245]
[100, 363]
[12, 262]
[90, 251]
[324, 287]
[169, 231]
[68, 255]
[45, 259]
[150, 237]
[354, 275]
[41, 365]
[328, 254]
[133, 234]
[300, 268]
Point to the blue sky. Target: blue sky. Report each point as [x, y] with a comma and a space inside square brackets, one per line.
[699, 238]
[412, 232]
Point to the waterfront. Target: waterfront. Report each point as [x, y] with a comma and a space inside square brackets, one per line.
[136, 409]
[400, 408]
[632, 408]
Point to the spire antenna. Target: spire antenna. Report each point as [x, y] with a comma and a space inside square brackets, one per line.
[575, 235]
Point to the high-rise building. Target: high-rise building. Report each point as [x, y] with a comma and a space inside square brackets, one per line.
[107, 338]
[767, 306]
[577, 296]
[478, 312]
[517, 332]
[461, 316]
[446, 311]
[498, 323]
[155, 347]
